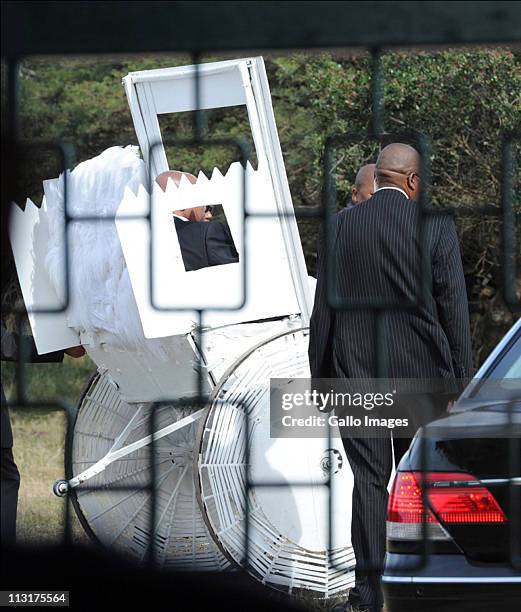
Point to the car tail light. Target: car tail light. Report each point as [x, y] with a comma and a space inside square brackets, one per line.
[406, 513]
[461, 498]
[451, 498]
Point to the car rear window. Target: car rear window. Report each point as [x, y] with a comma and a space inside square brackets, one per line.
[503, 379]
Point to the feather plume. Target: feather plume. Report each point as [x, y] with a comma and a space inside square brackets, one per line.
[101, 294]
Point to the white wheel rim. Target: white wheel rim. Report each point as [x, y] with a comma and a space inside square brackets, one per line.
[279, 555]
[121, 519]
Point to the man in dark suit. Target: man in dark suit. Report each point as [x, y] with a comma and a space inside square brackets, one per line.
[377, 259]
[203, 242]
[364, 185]
[11, 346]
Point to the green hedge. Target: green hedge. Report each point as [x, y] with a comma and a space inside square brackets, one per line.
[463, 100]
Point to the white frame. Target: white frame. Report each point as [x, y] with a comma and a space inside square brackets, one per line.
[221, 84]
[29, 236]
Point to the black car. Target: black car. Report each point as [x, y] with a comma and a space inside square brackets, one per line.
[454, 514]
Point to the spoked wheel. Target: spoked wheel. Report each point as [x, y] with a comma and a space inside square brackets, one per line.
[288, 546]
[111, 468]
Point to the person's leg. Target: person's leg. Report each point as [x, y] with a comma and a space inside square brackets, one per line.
[371, 462]
[9, 484]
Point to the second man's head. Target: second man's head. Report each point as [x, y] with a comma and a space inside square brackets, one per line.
[364, 184]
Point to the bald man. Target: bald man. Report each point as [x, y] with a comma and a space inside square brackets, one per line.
[364, 184]
[425, 331]
[197, 213]
[203, 242]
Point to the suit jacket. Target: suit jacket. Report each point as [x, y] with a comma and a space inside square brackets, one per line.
[10, 347]
[377, 258]
[205, 244]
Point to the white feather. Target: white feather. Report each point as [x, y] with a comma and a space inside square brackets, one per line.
[101, 294]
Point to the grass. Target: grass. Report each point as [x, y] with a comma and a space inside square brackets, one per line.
[39, 437]
[39, 450]
[50, 381]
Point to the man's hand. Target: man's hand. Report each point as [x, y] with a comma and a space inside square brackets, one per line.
[75, 351]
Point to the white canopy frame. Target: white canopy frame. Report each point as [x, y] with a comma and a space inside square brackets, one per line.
[221, 84]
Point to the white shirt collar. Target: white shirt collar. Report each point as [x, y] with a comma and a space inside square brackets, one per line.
[396, 188]
[180, 217]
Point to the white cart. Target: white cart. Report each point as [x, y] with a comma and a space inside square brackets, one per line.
[254, 317]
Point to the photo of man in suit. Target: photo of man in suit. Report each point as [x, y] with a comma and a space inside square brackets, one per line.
[204, 242]
[377, 259]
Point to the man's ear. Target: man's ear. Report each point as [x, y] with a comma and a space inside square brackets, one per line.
[411, 182]
[413, 185]
[354, 195]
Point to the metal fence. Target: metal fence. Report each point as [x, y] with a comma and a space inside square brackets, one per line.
[36, 28]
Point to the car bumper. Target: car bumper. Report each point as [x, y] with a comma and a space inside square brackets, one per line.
[448, 582]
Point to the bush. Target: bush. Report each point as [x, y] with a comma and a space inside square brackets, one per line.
[463, 100]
